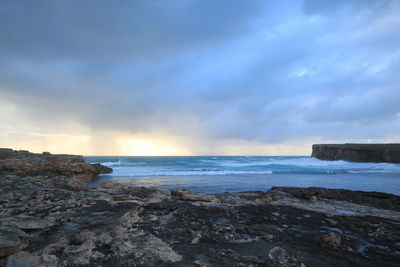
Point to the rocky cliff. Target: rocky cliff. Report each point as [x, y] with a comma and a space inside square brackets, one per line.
[70, 167]
[44, 221]
[358, 152]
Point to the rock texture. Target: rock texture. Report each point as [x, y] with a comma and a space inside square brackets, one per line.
[44, 221]
[358, 152]
[70, 167]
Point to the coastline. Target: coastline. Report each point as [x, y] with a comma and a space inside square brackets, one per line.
[358, 152]
[261, 182]
[216, 174]
[49, 217]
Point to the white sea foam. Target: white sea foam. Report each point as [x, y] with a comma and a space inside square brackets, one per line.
[312, 163]
[129, 172]
[369, 171]
[241, 165]
[302, 162]
[219, 174]
[120, 163]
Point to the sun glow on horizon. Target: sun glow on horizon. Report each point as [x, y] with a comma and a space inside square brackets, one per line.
[144, 147]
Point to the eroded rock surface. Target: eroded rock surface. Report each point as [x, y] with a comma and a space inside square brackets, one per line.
[44, 221]
[74, 167]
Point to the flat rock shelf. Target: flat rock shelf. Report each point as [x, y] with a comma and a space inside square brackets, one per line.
[47, 220]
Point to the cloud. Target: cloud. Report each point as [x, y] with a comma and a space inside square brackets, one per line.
[324, 7]
[255, 74]
[103, 30]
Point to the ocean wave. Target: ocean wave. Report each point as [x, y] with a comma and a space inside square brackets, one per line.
[300, 162]
[123, 172]
[109, 163]
[129, 173]
[311, 163]
[120, 163]
[170, 166]
[138, 172]
[368, 171]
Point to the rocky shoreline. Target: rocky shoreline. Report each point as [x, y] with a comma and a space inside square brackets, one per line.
[48, 217]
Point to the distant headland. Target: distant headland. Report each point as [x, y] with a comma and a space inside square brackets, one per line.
[358, 152]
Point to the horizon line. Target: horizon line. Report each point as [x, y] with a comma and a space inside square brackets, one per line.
[196, 156]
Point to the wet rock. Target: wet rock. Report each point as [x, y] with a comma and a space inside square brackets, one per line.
[23, 259]
[101, 169]
[333, 201]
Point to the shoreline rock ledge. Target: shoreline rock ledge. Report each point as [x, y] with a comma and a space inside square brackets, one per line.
[69, 169]
[358, 152]
[48, 217]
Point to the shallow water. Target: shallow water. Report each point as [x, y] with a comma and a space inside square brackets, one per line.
[233, 174]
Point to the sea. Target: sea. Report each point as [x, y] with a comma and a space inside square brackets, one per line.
[217, 174]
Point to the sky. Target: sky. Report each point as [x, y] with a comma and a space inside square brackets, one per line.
[198, 77]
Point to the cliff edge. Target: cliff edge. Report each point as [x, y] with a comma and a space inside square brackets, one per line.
[72, 169]
[358, 152]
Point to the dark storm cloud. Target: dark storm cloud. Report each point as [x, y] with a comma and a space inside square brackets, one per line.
[260, 71]
[326, 7]
[117, 30]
